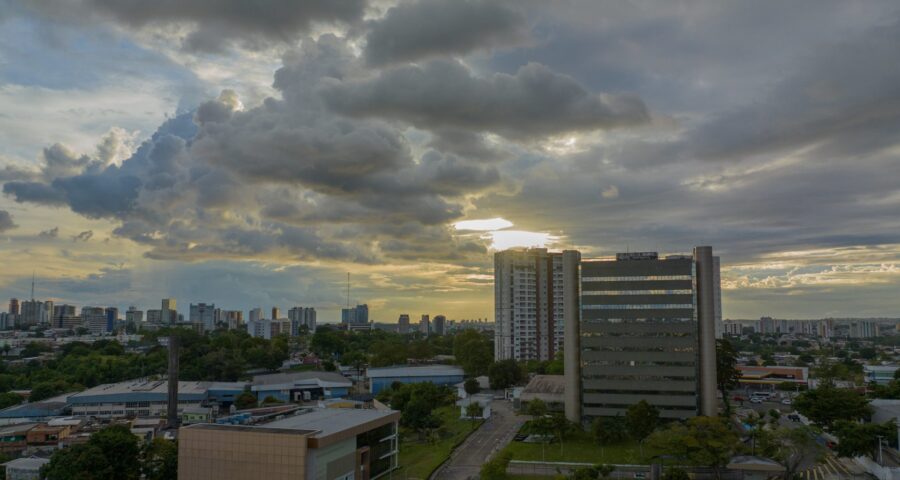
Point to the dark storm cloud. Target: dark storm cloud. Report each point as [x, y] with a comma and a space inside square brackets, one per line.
[6, 221]
[430, 28]
[445, 94]
[216, 23]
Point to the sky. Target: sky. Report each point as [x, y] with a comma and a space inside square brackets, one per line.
[253, 155]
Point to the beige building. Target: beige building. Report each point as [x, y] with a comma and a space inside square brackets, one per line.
[321, 444]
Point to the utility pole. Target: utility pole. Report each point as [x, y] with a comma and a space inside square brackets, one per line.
[348, 290]
[32, 285]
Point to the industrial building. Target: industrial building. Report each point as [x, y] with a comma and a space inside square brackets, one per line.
[300, 386]
[324, 443]
[647, 331]
[382, 378]
[145, 398]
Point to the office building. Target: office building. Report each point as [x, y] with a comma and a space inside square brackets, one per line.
[14, 306]
[94, 319]
[203, 316]
[646, 332]
[320, 443]
[64, 316]
[169, 311]
[154, 317]
[33, 313]
[276, 313]
[425, 325]
[439, 325]
[302, 317]
[134, 316]
[530, 289]
[255, 315]
[112, 317]
[358, 315]
[233, 319]
[7, 320]
[403, 324]
[863, 329]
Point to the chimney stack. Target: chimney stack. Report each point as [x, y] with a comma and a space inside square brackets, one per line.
[172, 410]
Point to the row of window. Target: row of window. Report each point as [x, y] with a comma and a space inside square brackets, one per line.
[622, 406]
[633, 363]
[640, 377]
[639, 349]
[648, 306]
[638, 292]
[668, 393]
[600, 321]
[637, 278]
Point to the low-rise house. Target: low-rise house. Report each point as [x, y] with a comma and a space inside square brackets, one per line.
[47, 435]
[14, 438]
[25, 468]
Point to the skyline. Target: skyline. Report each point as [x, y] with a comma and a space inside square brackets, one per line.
[253, 158]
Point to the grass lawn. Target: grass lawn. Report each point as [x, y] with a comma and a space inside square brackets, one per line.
[580, 447]
[419, 458]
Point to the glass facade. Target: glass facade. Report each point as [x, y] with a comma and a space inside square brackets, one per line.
[639, 336]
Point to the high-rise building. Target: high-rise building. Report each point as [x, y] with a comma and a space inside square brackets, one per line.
[94, 319]
[233, 319]
[403, 323]
[529, 301]
[255, 315]
[646, 331]
[302, 317]
[169, 311]
[63, 317]
[154, 316]
[203, 316]
[133, 316]
[112, 317]
[14, 306]
[33, 312]
[425, 325]
[276, 313]
[358, 315]
[439, 325]
[863, 329]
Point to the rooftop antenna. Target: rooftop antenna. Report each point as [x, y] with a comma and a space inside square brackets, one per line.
[32, 285]
[348, 290]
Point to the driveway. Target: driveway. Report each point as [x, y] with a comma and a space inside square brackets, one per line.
[465, 462]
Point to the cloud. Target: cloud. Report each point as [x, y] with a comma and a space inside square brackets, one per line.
[611, 191]
[431, 28]
[83, 236]
[6, 221]
[51, 233]
[212, 26]
[439, 94]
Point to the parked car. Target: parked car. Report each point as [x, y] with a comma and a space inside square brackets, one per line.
[793, 417]
[786, 401]
[756, 400]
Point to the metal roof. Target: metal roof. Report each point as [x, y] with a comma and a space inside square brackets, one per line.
[418, 371]
[328, 421]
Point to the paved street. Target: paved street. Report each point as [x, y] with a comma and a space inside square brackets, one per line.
[466, 460]
[834, 468]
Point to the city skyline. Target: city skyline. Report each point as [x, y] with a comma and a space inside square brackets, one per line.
[138, 163]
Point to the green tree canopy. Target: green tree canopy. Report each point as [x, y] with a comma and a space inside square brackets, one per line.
[471, 386]
[473, 352]
[504, 374]
[609, 430]
[827, 404]
[159, 460]
[858, 439]
[702, 441]
[112, 453]
[642, 419]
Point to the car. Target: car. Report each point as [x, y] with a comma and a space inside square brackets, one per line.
[793, 417]
[786, 401]
[738, 398]
[756, 400]
[640, 475]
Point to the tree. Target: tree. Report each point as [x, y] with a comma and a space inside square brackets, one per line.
[703, 441]
[859, 439]
[471, 386]
[675, 473]
[9, 399]
[609, 430]
[828, 404]
[245, 400]
[536, 408]
[596, 471]
[504, 374]
[417, 414]
[642, 419]
[474, 412]
[270, 400]
[727, 374]
[357, 360]
[112, 453]
[789, 447]
[160, 460]
[495, 469]
[473, 352]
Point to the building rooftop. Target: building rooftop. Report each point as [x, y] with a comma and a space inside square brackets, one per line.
[552, 384]
[329, 379]
[329, 421]
[28, 463]
[419, 371]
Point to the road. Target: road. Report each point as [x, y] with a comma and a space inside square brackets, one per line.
[465, 462]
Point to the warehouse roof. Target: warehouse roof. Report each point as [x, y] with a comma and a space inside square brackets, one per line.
[419, 371]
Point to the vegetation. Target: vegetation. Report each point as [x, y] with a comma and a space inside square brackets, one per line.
[828, 404]
[701, 441]
[857, 439]
[609, 430]
[159, 460]
[495, 469]
[112, 453]
[504, 374]
[581, 447]
[727, 374]
[788, 446]
[641, 419]
[594, 472]
[473, 351]
[420, 457]
[471, 386]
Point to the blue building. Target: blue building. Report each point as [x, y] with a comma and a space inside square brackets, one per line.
[35, 411]
[300, 386]
[112, 316]
[382, 378]
[149, 398]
